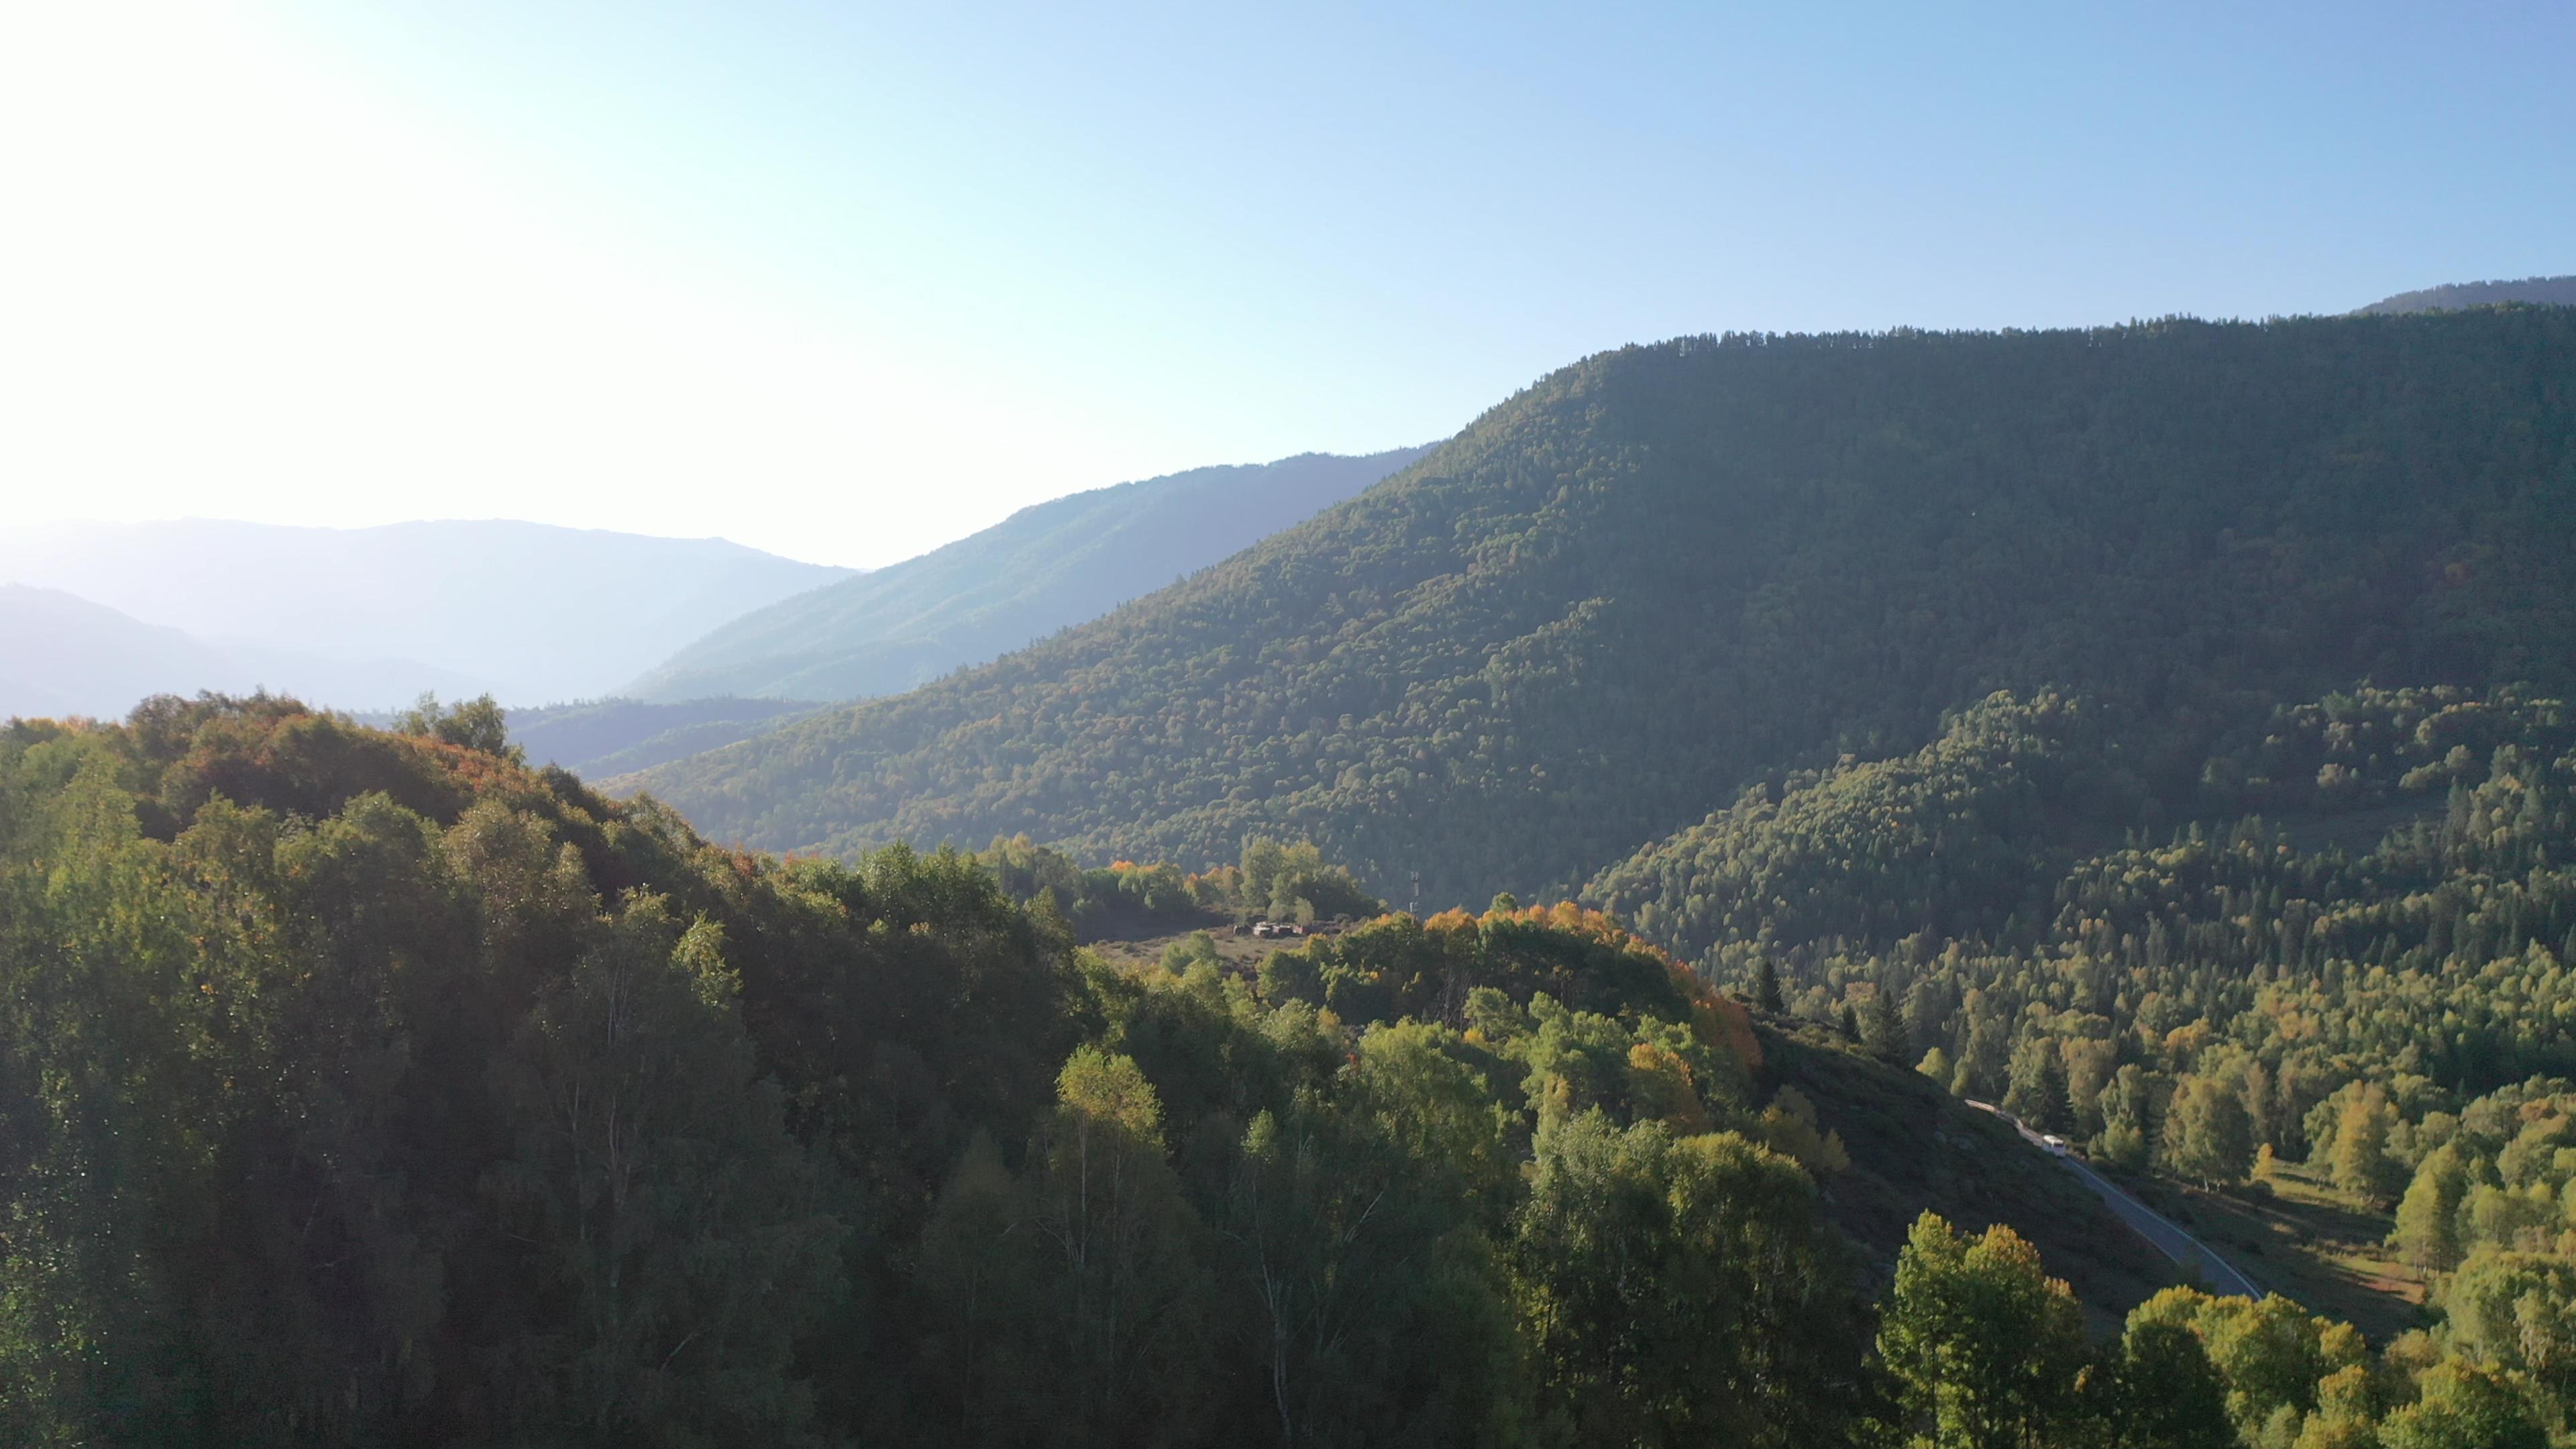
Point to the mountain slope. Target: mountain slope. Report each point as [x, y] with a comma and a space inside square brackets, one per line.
[613, 736]
[1041, 569]
[532, 612]
[2552, 291]
[1660, 573]
[64, 655]
[61, 655]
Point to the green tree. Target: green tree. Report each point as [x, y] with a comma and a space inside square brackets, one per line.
[2362, 1165]
[1121, 1294]
[656, 1181]
[2427, 1232]
[2163, 1393]
[2128, 1108]
[1683, 1291]
[2517, 1310]
[1375, 1301]
[2347, 1412]
[2464, 1407]
[1984, 1345]
[978, 1263]
[474, 724]
[2038, 1086]
[2272, 1354]
[1882, 1028]
[2208, 1136]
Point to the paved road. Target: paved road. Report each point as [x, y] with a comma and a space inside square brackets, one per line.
[2169, 1239]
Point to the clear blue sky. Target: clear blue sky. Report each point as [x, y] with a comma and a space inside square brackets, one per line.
[845, 281]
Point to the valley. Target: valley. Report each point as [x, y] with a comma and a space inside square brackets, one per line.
[1857, 781]
[797, 726]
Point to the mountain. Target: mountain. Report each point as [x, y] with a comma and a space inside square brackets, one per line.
[1041, 569]
[1667, 572]
[614, 736]
[61, 655]
[64, 655]
[2551, 291]
[530, 612]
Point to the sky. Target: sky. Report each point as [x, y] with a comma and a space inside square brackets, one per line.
[845, 281]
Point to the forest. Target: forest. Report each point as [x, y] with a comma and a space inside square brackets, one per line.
[2324, 1004]
[2158, 731]
[371, 1087]
[1666, 574]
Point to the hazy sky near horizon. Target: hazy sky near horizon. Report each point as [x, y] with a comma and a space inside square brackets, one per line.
[847, 281]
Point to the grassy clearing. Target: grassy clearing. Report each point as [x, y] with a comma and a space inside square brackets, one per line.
[2305, 1239]
[1241, 952]
[1914, 1146]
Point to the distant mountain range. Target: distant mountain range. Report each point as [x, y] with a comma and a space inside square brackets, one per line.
[2555, 291]
[1042, 569]
[364, 618]
[63, 655]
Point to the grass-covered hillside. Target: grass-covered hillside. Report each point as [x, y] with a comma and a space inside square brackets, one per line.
[1666, 571]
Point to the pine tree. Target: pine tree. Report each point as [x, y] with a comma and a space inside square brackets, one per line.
[2056, 1102]
[1882, 1030]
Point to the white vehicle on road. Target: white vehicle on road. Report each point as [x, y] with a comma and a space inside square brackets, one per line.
[2166, 1236]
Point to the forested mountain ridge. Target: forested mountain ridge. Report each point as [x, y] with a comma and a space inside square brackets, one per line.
[1045, 567]
[2211, 1000]
[1966, 838]
[2552, 291]
[1667, 571]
